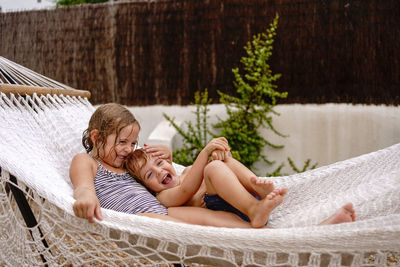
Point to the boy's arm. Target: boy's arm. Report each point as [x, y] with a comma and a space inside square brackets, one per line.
[191, 181]
[193, 178]
[82, 172]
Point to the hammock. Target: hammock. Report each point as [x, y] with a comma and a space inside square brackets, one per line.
[40, 133]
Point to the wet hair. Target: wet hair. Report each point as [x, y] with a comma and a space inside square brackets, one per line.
[108, 119]
[135, 162]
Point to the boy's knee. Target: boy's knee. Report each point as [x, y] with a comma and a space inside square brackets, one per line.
[212, 166]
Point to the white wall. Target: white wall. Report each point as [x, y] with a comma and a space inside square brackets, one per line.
[334, 132]
[323, 133]
[23, 5]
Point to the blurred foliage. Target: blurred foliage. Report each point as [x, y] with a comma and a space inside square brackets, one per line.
[195, 138]
[77, 2]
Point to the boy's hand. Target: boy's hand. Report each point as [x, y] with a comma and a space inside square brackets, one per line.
[217, 144]
[87, 205]
[220, 155]
[159, 151]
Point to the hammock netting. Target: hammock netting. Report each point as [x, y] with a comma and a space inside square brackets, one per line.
[39, 135]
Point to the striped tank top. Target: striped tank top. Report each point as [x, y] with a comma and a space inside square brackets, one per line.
[121, 192]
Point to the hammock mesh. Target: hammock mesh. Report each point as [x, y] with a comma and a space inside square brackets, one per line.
[39, 134]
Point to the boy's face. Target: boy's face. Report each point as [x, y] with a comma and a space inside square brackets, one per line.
[158, 175]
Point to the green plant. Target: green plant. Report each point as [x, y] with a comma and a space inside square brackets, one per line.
[77, 2]
[306, 166]
[247, 113]
[257, 96]
[196, 135]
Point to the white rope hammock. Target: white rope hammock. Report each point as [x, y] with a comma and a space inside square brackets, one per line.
[39, 134]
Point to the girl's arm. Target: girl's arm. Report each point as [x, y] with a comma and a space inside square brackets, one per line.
[159, 151]
[192, 177]
[82, 172]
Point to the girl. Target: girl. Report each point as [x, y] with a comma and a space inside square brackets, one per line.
[111, 136]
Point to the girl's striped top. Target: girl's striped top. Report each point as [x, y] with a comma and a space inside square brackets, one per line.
[121, 192]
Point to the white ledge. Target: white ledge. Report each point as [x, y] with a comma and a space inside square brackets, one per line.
[324, 133]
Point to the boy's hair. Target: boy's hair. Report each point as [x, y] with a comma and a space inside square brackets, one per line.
[135, 161]
[107, 119]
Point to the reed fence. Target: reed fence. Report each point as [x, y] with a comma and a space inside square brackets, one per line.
[161, 52]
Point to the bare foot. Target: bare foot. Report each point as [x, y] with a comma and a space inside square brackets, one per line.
[259, 214]
[262, 186]
[344, 214]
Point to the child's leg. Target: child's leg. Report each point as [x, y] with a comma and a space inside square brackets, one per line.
[202, 216]
[248, 179]
[221, 180]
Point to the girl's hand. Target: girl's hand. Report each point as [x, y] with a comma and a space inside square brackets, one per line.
[159, 151]
[217, 144]
[87, 205]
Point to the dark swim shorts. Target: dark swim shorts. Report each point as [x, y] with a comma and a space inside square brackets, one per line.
[215, 202]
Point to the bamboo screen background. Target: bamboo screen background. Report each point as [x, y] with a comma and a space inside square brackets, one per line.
[161, 52]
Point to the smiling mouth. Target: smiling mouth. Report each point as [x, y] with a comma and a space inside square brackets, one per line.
[167, 179]
[122, 157]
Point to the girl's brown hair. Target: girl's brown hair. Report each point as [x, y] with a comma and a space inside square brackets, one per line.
[107, 119]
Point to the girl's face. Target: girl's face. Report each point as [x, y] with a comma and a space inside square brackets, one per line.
[116, 150]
